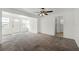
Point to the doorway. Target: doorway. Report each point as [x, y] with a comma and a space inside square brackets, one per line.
[59, 26]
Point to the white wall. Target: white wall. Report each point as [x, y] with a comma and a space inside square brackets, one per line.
[76, 23]
[33, 25]
[68, 23]
[0, 24]
[71, 23]
[47, 25]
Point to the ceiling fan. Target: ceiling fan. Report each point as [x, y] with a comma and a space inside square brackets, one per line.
[43, 12]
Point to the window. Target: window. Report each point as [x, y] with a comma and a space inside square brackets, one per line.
[5, 20]
[5, 25]
[14, 23]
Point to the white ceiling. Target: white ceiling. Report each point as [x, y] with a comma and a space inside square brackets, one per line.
[35, 11]
[32, 12]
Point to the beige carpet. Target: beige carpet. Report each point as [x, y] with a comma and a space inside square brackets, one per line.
[36, 42]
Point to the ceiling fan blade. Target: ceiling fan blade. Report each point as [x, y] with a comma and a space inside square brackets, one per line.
[45, 13]
[49, 11]
[42, 8]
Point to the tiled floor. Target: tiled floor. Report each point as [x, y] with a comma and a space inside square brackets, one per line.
[37, 42]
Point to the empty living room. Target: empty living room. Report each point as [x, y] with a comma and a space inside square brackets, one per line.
[39, 29]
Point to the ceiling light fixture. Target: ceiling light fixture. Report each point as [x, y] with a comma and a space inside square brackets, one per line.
[44, 12]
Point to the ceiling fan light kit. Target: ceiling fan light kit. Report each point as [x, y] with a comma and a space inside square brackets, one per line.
[44, 12]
